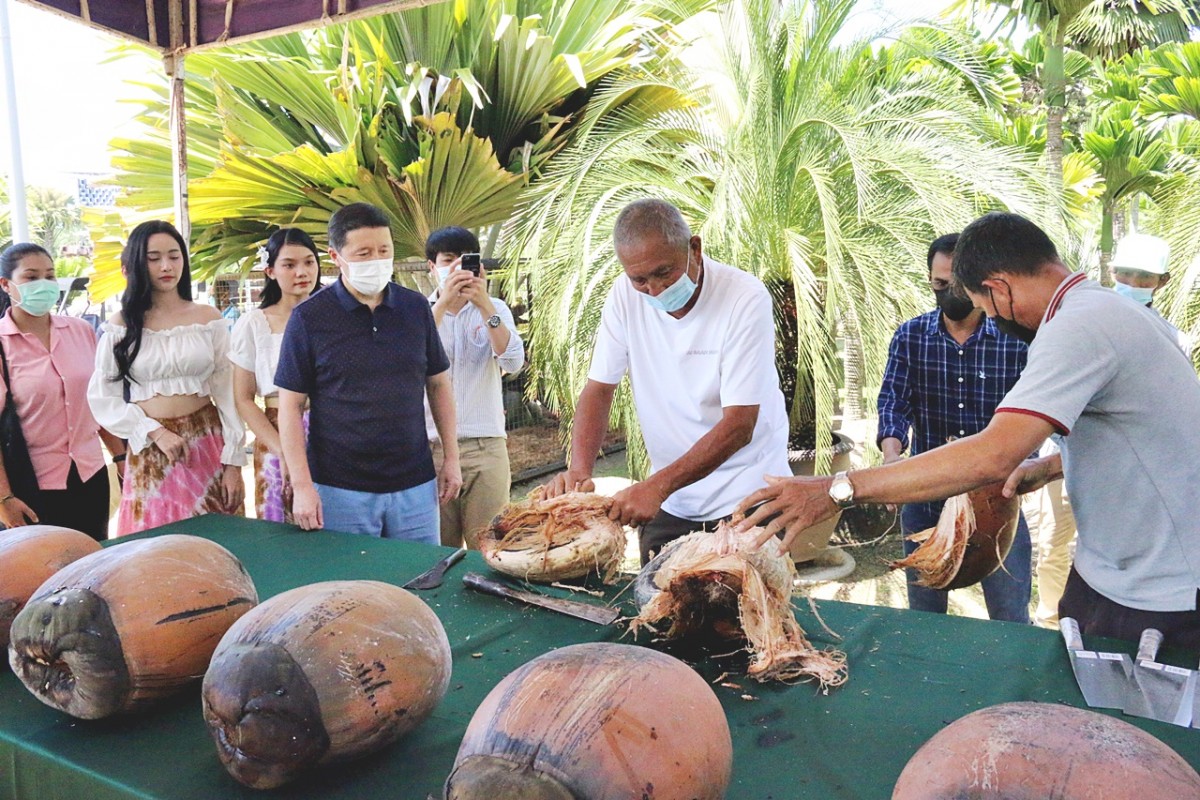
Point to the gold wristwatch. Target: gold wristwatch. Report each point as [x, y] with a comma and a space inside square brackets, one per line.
[841, 491]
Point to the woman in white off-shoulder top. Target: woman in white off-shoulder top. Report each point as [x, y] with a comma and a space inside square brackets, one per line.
[163, 381]
[291, 264]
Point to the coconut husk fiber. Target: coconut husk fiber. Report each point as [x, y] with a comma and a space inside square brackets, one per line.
[561, 538]
[722, 583]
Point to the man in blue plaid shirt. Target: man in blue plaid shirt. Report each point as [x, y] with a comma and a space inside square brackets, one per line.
[947, 371]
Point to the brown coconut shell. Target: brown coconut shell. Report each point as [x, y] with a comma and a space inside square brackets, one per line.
[996, 519]
[323, 673]
[597, 721]
[28, 556]
[120, 629]
[1035, 751]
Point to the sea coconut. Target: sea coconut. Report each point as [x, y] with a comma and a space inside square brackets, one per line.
[721, 583]
[119, 629]
[1035, 751]
[28, 556]
[323, 673]
[971, 540]
[597, 721]
[558, 539]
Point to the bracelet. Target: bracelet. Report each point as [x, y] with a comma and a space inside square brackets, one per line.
[119, 457]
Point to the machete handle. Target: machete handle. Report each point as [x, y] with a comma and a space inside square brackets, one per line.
[473, 580]
[1148, 646]
[1070, 633]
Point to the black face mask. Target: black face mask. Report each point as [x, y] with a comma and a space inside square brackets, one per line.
[1011, 327]
[954, 307]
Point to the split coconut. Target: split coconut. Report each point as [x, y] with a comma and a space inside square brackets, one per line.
[721, 583]
[565, 537]
[323, 673]
[971, 540]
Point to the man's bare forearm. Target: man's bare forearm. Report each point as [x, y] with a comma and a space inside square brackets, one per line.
[590, 425]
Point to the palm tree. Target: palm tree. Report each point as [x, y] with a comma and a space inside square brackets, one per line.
[1130, 157]
[54, 219]
[1102, 28]
[823, 168]
[441, 115]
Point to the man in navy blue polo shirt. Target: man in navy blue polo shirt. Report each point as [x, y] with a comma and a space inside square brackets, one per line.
[362, 354]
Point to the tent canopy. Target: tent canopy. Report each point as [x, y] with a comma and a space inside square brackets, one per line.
[207, 23]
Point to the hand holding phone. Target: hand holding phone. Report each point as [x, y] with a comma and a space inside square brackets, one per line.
[470, 262]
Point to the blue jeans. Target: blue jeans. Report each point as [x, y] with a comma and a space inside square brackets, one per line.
[1006, 591]
[411, 514]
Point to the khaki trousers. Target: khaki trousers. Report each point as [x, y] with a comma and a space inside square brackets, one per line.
[1052, 525]
[487, 481]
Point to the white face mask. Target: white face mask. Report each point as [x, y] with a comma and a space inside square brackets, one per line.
[369, 277]
[443, 273]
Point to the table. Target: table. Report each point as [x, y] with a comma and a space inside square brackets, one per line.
[911, 673]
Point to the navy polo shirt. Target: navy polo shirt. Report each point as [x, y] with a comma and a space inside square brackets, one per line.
[364, 373]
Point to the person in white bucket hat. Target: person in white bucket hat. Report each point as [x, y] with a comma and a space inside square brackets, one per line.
[1140, 267]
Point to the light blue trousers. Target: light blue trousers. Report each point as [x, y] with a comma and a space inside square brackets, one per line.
[411, 514]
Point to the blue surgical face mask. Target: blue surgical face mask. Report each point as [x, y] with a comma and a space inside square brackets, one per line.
[675, 296]
[1135, 293]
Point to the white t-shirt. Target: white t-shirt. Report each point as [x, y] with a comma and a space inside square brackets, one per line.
[685, 371]
[1109, 375]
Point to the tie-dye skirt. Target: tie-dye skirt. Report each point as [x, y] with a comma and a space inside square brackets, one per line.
[272, 494]
[158, 491]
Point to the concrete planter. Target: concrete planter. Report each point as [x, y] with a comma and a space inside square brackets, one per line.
[812, 542]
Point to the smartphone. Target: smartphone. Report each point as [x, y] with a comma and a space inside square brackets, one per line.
[470, 262]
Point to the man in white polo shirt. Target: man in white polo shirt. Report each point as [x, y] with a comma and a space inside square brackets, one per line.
[1101, 370]
[697, 339]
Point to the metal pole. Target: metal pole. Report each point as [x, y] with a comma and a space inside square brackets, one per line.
[16, 187]
[174, 66]
[179, 145]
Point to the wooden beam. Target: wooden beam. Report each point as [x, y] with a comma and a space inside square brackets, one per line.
[193, 23]
[175, 25]
[151, 23]
[362, 13]
[85, 13]
[87, 23]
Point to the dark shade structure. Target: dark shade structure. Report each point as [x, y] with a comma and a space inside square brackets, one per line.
[204, 23]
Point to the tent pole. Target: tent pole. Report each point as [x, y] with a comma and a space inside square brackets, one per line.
[16, 188]
[179, 154]
[174, 67]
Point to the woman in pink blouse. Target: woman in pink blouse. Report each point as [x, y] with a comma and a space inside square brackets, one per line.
[50, 359]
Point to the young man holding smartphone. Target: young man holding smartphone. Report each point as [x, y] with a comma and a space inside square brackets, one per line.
[482, 343]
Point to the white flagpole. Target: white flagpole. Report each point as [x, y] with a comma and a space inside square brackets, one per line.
[16, 185]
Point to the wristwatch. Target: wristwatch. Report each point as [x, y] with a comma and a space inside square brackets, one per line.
[493, 321]
[841, 491]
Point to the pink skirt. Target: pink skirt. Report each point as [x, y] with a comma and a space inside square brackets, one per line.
[158, 491]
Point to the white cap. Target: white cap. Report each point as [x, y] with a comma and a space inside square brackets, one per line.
[1142, 252]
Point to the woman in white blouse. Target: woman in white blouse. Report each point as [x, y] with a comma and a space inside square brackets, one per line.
[163, 381]
[291, 265]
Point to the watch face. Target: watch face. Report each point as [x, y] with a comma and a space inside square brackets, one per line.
[841, 489]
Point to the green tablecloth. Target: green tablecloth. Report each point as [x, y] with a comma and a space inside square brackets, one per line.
[910, 674]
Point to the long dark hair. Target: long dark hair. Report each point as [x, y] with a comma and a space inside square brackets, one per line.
[135, 302]
[10, 259]
[271, 293]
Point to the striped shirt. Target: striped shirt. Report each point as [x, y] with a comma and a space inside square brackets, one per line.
[476, 370]
[941, 389]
